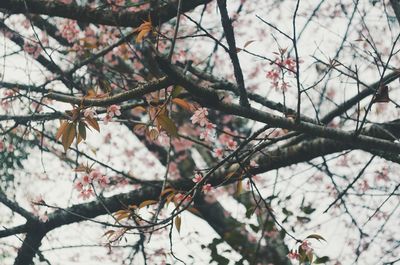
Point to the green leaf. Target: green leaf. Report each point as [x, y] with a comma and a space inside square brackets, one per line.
[168, 125]
[321, 260]
[317, 237]
[176, 91]
[82, 130]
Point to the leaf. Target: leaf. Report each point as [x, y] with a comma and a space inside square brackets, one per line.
[310, 256]
[168, 125]
[170, 198]
[303, 219]
[139, 128]
[61, 130]
[68, 136]
[178, 222]
[109, 233]
[321, 260]
[317, 237]
[147, 203]
[123, 216]
[194, 211]
[248, 43]
[82, 130]
[93, 123]
[245, 45]
[182, 103]
[153, 134]
[167, 190]
[143, 30]
[176, 91]
[239, 187]
[382, 95]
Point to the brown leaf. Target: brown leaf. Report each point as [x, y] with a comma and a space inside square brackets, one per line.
[143, 30]
[93, 123]
[182, 103]
[61, 130]
[178, 222]
[68, 136]
[147, 203]
[382, 95]
[153, 134]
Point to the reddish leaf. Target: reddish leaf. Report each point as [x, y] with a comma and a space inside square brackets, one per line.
[93, 123]
[382, 95]
[61, 130]
[182, 103]
[178, 222]
[68, 136]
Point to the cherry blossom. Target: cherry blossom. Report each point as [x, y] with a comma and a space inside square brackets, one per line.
[218, 152]
[32, 49]
[206, 188]
[294, 255]
[114, 110]
[86, 193]
[197, 178]
[89, 113]
[103, 181]
[200, 117]
[231, 144]
[107, 119]
[306, 246]
[181, 197]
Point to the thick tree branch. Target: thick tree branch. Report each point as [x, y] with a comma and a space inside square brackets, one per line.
[230, 38]
[122, 18]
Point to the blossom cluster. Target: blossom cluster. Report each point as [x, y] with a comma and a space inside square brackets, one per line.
[113, 110]
[200, 117]
[85, 184]
[276, 74]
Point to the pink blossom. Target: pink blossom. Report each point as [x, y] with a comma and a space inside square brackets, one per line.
[89, 112]
[107, 119]
[86, 194]
[200, 117]
[273, 75]
[207, 188]
[114, 110]
[218, 152]
[103, 181]
[66, 1]
[290, 63]
[32, 49]
[70, 30]
[79, 186]
[95, 174]
[293, 255]
[197, 178]
[306, 246]
[180, 197]
[231, 144]
[86, 180]
[364, 186]
[1, 146]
